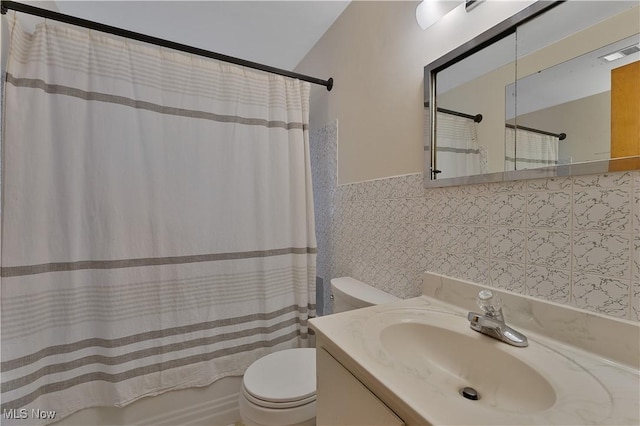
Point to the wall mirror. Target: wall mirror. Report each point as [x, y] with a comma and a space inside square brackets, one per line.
[552, 91]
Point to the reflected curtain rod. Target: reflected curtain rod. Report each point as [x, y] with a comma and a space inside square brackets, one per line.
[560, 136]
[67, 19]
[477, 118]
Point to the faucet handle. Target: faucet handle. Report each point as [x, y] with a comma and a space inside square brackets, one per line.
[488, 302]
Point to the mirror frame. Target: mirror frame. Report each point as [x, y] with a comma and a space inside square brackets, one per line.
[494, 34]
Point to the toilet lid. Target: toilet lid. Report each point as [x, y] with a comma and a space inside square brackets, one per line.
[284, 376]
[360, 293]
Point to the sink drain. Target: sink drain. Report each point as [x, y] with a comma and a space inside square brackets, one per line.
[470, 393]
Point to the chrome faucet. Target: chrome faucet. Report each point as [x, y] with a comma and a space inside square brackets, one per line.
[492, 322]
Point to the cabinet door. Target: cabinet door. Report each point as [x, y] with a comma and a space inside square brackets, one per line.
[343, 400]
[625, 110]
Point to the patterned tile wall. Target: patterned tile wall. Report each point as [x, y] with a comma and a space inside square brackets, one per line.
[571, 240]
[323, 146]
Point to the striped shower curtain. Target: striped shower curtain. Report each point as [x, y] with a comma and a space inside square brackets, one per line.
[458, 151]
[525, 149]
[157, 220]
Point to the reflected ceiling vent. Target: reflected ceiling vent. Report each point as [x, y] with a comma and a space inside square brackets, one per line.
[621, 53]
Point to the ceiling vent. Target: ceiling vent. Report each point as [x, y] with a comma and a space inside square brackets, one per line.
[630, 50]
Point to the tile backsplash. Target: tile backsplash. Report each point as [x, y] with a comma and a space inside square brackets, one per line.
[570, 240]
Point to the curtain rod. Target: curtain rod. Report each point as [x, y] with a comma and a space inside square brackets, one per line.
[477, 118]
[67, 19]
[560, 136]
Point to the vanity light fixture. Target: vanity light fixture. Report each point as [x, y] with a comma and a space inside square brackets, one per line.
[429, 12]
[469, 5]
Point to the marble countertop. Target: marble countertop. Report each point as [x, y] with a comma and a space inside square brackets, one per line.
[609, 395]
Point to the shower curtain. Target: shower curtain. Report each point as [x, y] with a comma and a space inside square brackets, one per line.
[525, 149]
[157, 220]
[459, 153]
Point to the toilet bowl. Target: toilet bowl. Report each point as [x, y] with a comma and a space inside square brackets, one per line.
[279, 389]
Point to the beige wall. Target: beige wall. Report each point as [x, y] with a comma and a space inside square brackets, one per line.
[376, 53]
[586, 121]
[489, 100]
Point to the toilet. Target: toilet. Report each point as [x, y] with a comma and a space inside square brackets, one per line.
[280, 389]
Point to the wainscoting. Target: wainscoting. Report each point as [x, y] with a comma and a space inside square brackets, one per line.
[570, 240]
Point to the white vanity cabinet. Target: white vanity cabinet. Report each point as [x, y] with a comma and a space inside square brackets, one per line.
[399, 363]
[343, 400]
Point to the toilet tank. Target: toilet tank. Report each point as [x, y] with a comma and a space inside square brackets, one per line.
[349, 293]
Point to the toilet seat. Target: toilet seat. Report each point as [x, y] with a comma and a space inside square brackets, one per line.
[284, 379]
[271, 404]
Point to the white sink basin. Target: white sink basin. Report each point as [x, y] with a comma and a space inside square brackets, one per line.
[442, 351]
[499, 377]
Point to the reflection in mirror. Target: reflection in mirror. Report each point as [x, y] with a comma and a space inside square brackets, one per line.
[562, 113]
[548, 92]
[466, 146]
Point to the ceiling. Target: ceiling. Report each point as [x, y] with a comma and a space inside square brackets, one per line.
[275, 33]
